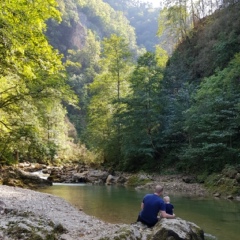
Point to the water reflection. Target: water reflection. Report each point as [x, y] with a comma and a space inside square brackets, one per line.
[218, 217]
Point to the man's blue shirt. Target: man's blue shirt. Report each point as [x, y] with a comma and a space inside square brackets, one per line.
[152, 205]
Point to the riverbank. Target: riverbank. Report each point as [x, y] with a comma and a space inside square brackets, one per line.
[33, 215]
[32, 176]
[38, 216]
[30, 215]
[175, 184]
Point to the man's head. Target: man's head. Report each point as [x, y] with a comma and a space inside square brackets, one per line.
[158, 189]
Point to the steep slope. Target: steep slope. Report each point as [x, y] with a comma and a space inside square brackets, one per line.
[143, 18]
[79, 16]
[211, 46]
[201, 88]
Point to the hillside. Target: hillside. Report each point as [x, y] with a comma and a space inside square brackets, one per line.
[75, 86]
[196, 79]
[203, 94]
[78, 17]
[143, 18]
[210, 46]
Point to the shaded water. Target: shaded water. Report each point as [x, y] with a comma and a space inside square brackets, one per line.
[114, 204]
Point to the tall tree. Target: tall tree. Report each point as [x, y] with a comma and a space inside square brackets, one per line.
[174, 24]
[82, 67]
[108, 88]
[142, 117]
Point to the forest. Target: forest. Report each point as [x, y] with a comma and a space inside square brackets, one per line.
[120, 84]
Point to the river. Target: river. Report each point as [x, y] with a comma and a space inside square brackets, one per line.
[114, 204]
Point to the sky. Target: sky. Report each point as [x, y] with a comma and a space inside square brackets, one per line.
[156, 3]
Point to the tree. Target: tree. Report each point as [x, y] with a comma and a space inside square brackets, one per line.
[143, 17]
[107, 90]
[174, 25]
[212, 122]
[82, 67]
[142, 117]
[30, 69]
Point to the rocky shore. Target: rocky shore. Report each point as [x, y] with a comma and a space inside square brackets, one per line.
[27, 214]
[34, 176]
[26, 175]
[30, 215]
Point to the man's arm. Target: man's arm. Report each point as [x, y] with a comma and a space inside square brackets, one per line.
[166, 215]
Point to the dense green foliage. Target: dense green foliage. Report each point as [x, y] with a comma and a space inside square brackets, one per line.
[143, 18]
[32, 83]
[201, 109]
[137, 110]
[103, 17]
[110, 86]
[83, 15]
[78, 37]
[142, 115]
[186, 116]
[212, 121]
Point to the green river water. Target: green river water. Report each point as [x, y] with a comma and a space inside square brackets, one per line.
[217, 217]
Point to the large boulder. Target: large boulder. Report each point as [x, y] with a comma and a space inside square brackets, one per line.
[177, 229]
[56, 175]
[119, 180]
[80, 177]
[97, 176]
[15, 177]
[165, 229]
[110, 180]
[91, 176]
[73, 174]
[31, 167]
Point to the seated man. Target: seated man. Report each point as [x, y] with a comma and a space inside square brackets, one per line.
[151, 206]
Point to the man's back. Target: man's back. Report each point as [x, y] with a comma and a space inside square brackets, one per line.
[152, 205]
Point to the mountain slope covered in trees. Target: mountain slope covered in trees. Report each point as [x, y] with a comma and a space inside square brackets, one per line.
[110, 100]
[85, 24]
[176, 119]
[203, 94]
[143, 18]
[79, 16]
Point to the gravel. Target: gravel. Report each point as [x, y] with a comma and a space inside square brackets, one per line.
[27, 206]
[38, 216]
